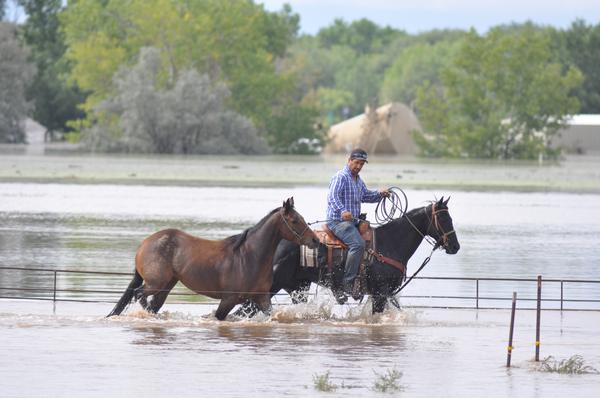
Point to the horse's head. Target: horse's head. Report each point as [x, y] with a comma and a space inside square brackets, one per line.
[441, 228]
[294, 227]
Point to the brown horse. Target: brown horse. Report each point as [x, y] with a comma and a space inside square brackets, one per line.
[233, 269]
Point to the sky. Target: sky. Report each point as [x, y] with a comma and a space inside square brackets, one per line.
[422, 15]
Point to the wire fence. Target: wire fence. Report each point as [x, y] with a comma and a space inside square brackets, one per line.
[440, 292]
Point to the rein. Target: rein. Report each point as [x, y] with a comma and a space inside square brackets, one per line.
[441, 242]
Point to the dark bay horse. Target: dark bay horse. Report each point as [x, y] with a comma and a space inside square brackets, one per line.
[398, 240]
[233, 270]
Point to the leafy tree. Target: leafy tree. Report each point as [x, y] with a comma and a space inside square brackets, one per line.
[2, 9]
[502, 97]
[416, 64]
[236, 42]
[363, 36]
[15, 74]
[582, 47]
[55, 100]
[188, 118]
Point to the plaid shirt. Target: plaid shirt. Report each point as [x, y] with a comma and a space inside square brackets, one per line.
[346, 194]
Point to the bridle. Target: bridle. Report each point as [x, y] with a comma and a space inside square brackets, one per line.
[296, 234]
[443, 239]
[434, 220]
[441, 242]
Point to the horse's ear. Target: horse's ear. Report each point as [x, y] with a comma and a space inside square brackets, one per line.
[288, 204]
[446, 201]
[441, 201]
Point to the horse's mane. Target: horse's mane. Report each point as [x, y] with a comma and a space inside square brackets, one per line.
[410, 213]
[238, 240]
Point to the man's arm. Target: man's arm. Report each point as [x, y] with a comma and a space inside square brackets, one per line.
[370, 196]
[336, 187]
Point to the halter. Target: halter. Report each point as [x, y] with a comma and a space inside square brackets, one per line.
[296, 234]
[443, 240]
[438, 227]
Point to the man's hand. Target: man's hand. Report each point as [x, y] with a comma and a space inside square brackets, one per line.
[384, 193]
[347, 216]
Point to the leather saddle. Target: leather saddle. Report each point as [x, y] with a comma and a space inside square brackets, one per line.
[328, 238]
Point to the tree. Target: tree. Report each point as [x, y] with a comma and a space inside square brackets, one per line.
[363, 36]
[55, 100]
[15, 74]
[189, 118]
[582, 48]
[502, 97]
[416, 64]
[235, 42]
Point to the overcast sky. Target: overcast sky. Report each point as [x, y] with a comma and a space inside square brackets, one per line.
[423, 15]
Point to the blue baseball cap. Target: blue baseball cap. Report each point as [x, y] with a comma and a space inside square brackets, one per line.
[360, 154]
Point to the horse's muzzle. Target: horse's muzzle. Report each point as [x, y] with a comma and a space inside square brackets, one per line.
[312, 242]
[452, 248]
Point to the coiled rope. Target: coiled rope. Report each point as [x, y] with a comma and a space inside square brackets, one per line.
[394, 206]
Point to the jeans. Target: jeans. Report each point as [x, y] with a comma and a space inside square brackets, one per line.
[348, 233]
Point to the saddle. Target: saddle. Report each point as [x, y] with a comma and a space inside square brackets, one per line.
[328, 238]
[337, 250]
[334, 252]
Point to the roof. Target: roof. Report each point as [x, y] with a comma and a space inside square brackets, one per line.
[584, 120]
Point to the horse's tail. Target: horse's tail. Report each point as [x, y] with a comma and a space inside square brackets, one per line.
[135, 283]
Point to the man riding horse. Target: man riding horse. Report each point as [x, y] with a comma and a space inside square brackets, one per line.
[346, 193]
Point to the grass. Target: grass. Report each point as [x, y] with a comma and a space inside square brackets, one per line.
[572, 365]
[388, 382]
[322, 383]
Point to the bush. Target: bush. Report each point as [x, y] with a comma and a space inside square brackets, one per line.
[188, 118]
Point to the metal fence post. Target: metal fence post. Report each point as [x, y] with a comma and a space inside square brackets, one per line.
[54, 294]
[537, 323]
[477, 293]
[512, 327]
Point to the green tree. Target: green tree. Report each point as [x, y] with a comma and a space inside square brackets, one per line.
[189, 118]
[502, 97]
[582, 48]
[15, 74]
[235, 42]
[55, 100]
[363, 36]
[416, 64]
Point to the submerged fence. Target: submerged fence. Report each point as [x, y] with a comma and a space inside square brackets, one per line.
[440, 292]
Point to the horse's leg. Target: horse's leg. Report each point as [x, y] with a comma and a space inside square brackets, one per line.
[263, 301]
[379, 302]
[158, 299]
[227, 303]
[141, 297]
[299, 292]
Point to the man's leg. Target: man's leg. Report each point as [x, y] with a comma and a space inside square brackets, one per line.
[348, 233]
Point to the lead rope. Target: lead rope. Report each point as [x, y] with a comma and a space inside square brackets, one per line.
[415, 274]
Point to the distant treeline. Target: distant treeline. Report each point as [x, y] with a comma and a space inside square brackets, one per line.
[209, 76]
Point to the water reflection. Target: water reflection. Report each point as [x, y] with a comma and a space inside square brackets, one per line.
[153, 335]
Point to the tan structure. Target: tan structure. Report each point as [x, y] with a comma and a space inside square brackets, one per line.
[388, 130]
[582, 135]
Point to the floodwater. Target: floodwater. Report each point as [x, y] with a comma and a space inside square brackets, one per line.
[70, 349]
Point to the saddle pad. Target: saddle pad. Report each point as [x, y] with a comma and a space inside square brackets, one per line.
[309, 257]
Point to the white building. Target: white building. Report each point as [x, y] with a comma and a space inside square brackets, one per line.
[582, 135]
